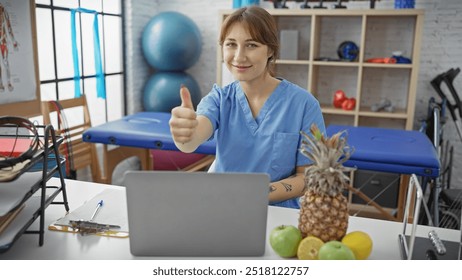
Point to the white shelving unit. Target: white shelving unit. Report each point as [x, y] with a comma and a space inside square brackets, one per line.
[378, 33]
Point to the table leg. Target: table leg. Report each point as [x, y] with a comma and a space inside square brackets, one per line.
[403, 185]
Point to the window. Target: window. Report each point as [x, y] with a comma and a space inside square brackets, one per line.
[55, 54]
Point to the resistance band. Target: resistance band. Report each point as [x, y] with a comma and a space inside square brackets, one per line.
[100, 85]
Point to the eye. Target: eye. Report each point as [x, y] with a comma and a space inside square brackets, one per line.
[252, 45]
[230, 44]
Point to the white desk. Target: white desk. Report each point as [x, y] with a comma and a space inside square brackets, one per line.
[60, 245]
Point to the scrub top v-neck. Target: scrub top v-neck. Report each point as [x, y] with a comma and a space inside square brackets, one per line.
[268, 143]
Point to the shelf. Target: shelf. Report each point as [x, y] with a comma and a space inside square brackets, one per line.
[335, 63]
[378, 34]
[327, 109]
[25, 218]
[18, 191]
[396, 114]
[19, 224]
[387, 65]
[293, 62]
[339, 12]
[29, 189]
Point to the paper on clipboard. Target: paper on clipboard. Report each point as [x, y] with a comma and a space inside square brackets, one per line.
[113, 211]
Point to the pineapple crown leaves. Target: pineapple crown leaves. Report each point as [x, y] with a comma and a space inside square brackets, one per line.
[326, 174]
[324, 151]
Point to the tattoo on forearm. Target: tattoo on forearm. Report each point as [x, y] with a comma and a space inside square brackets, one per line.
[287, 186]
[272, 188]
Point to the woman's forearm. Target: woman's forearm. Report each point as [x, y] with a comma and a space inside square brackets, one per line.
[290, 187]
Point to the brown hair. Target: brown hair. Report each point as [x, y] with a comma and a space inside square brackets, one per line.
[261, 26]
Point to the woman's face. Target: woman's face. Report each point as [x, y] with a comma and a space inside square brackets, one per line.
[245, 58]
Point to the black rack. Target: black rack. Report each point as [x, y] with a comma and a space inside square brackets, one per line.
[50, 147]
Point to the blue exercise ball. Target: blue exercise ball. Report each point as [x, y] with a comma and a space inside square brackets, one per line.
[171, 41]
[162, 91]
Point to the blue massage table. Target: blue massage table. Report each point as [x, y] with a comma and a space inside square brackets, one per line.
[390, 150]
[393, 151]
[145, 130]
[149, 130]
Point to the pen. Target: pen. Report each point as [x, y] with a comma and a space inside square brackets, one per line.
[98, 206]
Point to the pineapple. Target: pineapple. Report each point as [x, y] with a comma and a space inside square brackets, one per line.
[324, 208]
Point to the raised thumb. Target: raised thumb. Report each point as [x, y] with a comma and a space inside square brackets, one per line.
[186, 98]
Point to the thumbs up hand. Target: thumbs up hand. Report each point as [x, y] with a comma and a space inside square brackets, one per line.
[183, 121]
[186, 98]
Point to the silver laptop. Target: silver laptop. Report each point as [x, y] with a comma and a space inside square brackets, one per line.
[173, 213]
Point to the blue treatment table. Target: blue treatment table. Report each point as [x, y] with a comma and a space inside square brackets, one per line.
[148, 130]
[392, 151]
[145, 130]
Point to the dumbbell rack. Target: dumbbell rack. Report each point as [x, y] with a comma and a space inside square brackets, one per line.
[30, 200]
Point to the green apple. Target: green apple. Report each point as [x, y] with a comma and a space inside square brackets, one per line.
[284, 240]
[335, 250]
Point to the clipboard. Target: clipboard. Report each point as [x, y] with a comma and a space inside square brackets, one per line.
[114, 211]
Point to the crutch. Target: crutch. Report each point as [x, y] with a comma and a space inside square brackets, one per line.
[448, 77]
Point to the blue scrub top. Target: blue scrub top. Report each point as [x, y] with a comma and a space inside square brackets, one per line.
[270, 142]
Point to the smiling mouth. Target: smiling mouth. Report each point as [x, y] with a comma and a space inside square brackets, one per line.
[241, 67]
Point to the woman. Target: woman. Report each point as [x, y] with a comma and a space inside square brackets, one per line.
[257, 119]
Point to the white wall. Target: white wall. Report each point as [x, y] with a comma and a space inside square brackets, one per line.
[441, 48]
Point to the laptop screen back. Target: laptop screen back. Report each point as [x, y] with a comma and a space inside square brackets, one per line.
[196, 214]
